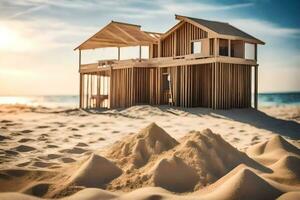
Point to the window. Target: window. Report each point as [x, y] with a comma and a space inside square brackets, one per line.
[223, 47]
[249, 51]
[196, 47]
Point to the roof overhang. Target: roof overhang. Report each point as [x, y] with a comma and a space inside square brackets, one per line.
[212, 33]
[119, 34]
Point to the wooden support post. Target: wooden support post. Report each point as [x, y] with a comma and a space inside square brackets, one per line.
[80, 90]
[255, 53]
[229, 48]
[119, 53]
[255, 85]
[80, 81]
[87, 90]
[159, 49]
[110, 95]
[140, 53]
[216, 47]
[175, 44]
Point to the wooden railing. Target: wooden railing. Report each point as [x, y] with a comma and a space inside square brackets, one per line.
[190, 59]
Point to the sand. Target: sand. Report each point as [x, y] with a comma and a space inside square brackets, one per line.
[146, 152]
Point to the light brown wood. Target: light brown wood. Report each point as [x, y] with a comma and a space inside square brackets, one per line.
[205, 79]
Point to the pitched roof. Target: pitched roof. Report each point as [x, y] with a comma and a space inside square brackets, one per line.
[222, 28]
[119, 34]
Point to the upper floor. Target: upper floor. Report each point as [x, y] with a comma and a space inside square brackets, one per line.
[190, 41]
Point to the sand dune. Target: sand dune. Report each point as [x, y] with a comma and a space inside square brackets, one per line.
[95, 172]
[66, 157]
[271, 151]
[138, 149]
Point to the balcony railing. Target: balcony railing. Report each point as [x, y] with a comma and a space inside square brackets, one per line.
[190, 59]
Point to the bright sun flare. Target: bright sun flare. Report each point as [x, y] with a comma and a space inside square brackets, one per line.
[7, 38]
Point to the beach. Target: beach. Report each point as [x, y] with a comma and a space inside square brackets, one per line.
[149, 152]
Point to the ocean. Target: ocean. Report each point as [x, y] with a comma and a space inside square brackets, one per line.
[72, 101]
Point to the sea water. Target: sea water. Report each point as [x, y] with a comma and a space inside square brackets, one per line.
[264, 99]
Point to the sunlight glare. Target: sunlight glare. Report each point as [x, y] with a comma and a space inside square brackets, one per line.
[7, 38]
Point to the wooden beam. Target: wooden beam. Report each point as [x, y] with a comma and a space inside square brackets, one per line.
[229, 48]
[116, 36]
[80, 81]
[255, 86]
[127, 34]
[140, 53]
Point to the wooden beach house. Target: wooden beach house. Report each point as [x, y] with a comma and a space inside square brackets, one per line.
[196, 63]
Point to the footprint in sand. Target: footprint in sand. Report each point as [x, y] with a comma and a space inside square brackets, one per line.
[23, 140]
[68, 160]
[242, 130]
[24, 148]
[42, 164]
[16, 134]
[81, 125]
[50, 157]
[42, 127]
[51, 146]
[23, 164]
[54, 129]
[73, 129]
[115, 132]
[5, 121]
[75, 150]
[101, 138]
[26, 131]
[11, 152]
[2, 137]
[76, 135]
[81, 144]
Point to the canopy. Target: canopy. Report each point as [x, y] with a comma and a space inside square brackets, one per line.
[118, 34]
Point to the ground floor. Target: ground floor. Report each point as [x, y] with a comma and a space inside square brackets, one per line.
[214, 85]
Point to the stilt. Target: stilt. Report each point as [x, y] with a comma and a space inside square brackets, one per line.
[255, 85]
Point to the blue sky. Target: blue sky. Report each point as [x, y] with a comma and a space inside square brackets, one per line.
[38, 37]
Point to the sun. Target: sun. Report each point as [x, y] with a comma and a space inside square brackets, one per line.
[7, 38]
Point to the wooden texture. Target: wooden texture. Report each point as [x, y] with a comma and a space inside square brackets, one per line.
[172, 74]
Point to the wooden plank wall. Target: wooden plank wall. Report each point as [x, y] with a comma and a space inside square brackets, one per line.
[181, 38]
[214, 85]
[191, 85]
[130, 86]
[231, 86]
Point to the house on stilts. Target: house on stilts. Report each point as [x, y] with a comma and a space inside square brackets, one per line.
[196, 63]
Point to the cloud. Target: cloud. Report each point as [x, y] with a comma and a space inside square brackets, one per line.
[265, 28]
[27, 11]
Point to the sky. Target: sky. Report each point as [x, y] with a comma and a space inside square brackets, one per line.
[37, 37]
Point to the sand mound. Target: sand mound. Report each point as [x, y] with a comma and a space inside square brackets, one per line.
[174, 175]
[275, 143]
[138, 148]
[270, 151]
[95, 172]
[244, 185]
[286, 170]
[92, 194]
[16, 196]
[290, 196]
[211, 155]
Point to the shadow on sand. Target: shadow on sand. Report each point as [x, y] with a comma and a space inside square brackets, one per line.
[249, 116]
[252, 117]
